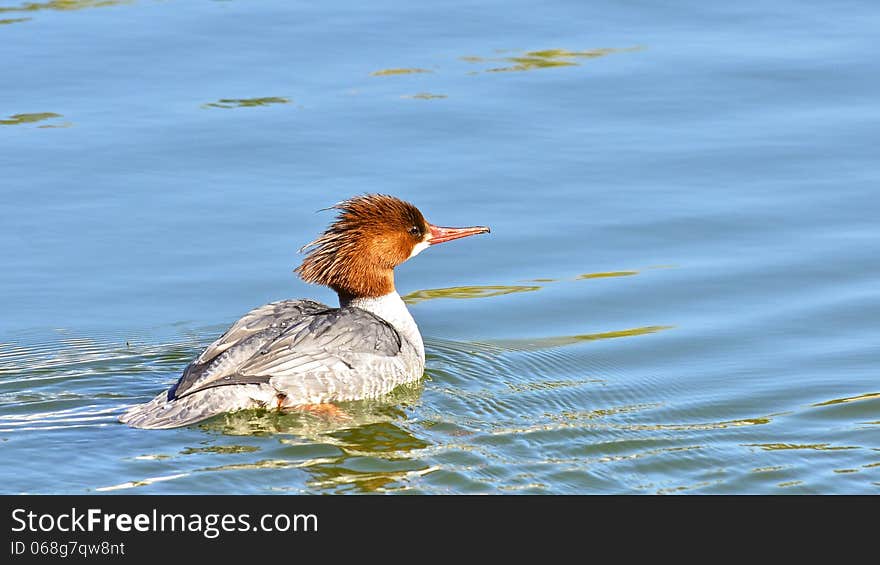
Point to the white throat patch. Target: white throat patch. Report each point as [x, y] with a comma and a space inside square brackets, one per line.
[419, 248]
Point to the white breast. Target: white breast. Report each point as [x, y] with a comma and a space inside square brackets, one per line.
[393, 310]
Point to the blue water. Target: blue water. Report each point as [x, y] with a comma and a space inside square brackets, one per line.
[679, 293]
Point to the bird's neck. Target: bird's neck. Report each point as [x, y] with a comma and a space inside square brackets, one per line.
[391, 308]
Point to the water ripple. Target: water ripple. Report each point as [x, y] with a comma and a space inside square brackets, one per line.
[227, 103]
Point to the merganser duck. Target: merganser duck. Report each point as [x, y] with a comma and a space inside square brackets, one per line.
[307, 355]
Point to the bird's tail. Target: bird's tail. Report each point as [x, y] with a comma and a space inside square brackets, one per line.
[161, 413]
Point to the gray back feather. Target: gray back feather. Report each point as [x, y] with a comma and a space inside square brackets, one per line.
[288, 341]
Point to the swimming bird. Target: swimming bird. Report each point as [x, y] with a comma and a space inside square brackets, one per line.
[301, 354]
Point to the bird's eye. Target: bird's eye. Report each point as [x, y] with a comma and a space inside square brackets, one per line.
[415, 231]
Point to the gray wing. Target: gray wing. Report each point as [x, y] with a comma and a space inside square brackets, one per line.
[334, 338]
[274, 315]
[218, 363]
[289, 345]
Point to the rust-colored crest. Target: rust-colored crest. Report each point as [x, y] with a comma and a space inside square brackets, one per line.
[357, 254]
